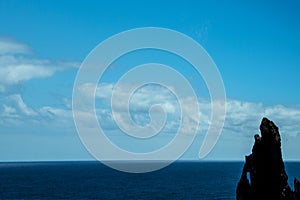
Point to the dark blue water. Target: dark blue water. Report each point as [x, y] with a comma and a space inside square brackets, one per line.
[92, 180]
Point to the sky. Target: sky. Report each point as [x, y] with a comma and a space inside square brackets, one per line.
[254, 44]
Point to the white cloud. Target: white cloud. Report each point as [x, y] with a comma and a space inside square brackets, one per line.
[242, 118]
[104, 90]
[8, 46]
[67, 102]
[15, 74]
[140, 101]
[51, 112]
[15, 111]
[9, 111]
[16, 102]
[16, 67]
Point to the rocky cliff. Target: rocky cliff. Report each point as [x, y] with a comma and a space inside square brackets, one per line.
[265, 167]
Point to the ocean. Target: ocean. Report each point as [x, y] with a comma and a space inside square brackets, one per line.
[93, 180]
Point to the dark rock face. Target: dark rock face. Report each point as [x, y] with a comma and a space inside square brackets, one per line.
[268, 179]
[297, 189]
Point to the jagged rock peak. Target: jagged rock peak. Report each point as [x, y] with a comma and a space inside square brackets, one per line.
[265, 166]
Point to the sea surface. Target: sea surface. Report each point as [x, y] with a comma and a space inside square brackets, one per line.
[93, 180]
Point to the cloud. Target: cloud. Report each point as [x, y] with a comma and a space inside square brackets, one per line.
[242, 118]
[18, 105]
[103, 91]
[14, 111]
[51, 113]
[8, 46]
[16, 73]
[140, 103]
[9, 111]
[17, 67]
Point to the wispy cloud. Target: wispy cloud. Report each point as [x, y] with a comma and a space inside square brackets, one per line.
[20, 70]
[14, 111]
[9, 46]
[16, 66]
[243, 118]
[18, 106]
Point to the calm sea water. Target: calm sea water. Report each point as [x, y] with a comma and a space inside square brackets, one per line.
[92, 180]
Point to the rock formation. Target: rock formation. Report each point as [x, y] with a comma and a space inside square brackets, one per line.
[268, 179]
[296, 189]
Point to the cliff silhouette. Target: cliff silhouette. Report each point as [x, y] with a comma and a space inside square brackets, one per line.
[268, 178]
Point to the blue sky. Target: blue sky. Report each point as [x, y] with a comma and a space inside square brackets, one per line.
[256, 46]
